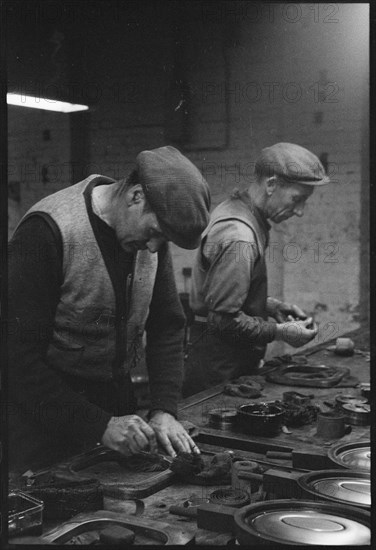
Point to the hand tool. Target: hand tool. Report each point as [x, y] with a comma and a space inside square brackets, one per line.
[240, 478]
[157, 457]
[184, 511]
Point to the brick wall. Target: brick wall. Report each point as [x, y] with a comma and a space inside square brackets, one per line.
[300, 77]
[221, 81]
[38, 157]
[302, 81]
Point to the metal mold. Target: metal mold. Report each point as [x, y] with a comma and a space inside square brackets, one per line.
[112, 485]
[342, 399]
[331, 425]
[158, 532]
[316, 376]
[222, 419]
[229, 497]
[302, 522]
[354, 456]
[342, 487]
[263, 419]
[357, 414]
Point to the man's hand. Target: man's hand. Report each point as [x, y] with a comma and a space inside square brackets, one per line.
[296, 333]
[171, 434]
[129, 435]
[283, 312]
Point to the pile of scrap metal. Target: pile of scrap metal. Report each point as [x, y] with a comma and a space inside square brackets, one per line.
[298, 409]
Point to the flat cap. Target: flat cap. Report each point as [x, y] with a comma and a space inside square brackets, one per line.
[177, 193]
[293, 163]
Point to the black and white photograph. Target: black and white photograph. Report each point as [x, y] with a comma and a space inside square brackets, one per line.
[186, 273]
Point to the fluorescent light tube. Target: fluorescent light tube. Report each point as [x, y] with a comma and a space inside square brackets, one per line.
[21, 100]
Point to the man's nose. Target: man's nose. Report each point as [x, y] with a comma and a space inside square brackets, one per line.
[299, 211]
[155, 243]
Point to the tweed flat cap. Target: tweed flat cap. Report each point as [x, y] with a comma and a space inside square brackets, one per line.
[293, 163]
[177, 192]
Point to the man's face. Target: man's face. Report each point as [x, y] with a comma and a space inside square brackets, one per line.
[139, 228]
[287, 200]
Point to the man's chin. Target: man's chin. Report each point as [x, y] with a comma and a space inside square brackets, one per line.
[134, 246]
[281, 218]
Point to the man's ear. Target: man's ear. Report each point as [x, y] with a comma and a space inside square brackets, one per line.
[135, 195]
[271, 184]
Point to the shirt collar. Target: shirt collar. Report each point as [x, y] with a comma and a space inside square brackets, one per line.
[261, 218]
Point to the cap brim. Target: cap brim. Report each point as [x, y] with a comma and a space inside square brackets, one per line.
[324, 181]
[182, 242]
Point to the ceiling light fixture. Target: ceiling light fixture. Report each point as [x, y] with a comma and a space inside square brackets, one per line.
[21, 100]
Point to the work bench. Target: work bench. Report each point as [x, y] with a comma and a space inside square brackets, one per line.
[304, 439]
[196, 408]
[308, 449]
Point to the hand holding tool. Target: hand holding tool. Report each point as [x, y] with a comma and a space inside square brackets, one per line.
[156, 457]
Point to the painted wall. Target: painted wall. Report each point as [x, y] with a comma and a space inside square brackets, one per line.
[221, 81]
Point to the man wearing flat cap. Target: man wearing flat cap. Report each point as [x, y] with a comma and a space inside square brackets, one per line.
[229, 280]
[89, 273]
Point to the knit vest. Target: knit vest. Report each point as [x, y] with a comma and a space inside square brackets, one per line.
[84, 333]
[255, 302]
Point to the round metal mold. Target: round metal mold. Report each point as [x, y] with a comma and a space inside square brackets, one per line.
[354, 456]
[264, 418]
[343, 398]
[222, 419]
[302, 522]
[357, 414]
[229, 497]
[331, 425]
[340, 486]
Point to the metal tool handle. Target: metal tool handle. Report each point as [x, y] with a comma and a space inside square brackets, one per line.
[278, 454]
[250, 475]
[188, 512]
[156, 457]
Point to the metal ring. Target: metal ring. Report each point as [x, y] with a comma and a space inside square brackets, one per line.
[229, 497]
